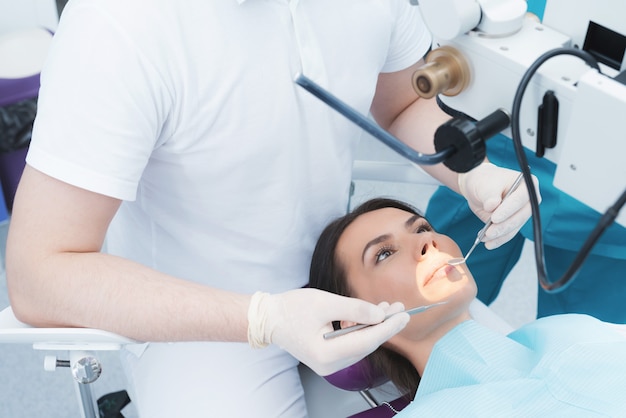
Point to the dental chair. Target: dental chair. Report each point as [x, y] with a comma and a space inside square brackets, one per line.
[361, 377]
[81, 346]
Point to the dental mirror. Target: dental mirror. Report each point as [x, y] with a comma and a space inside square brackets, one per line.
[481, 233]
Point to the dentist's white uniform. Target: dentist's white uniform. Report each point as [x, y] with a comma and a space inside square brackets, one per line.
[187, 111]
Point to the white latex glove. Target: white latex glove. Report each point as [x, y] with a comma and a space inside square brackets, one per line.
[298, 319]
[484, 187]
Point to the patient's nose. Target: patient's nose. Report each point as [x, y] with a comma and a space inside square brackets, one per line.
[425, 248]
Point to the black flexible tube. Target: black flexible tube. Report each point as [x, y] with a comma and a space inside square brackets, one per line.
[371, 127]
[605, 221]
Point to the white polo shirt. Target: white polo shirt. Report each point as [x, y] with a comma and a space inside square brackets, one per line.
[188, 112]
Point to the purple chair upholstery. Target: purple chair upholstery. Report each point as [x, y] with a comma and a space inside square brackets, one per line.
[362, 377]
[13, 90]
[359, 376]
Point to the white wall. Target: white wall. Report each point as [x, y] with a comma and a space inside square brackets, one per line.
[25, 14]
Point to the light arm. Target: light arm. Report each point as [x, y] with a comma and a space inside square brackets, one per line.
[414, 121]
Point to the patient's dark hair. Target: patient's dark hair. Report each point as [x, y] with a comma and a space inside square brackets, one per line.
[328, 274]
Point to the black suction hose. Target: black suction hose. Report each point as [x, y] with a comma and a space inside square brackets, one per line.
[371, 127]
[605, 221]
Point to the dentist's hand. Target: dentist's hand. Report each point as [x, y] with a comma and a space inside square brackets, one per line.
[298, 319]
[484, 188]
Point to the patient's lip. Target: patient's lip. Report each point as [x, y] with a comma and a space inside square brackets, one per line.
[442, 271]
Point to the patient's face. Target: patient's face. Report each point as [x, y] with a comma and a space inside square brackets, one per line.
[392, 255]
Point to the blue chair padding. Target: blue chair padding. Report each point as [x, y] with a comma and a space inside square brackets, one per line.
[4, 215]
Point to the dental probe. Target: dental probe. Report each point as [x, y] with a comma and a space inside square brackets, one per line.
[346, 330]
[481, 233]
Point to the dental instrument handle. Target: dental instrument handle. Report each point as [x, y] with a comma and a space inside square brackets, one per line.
[476, 242]
[413, 311]
[343, 331]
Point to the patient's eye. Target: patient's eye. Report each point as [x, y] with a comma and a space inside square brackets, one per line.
[383, 253]
[423, 226]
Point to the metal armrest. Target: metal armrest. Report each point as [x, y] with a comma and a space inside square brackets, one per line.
[80, 342]
[12, 331]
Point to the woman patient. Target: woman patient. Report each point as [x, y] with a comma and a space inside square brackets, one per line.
[564, 365]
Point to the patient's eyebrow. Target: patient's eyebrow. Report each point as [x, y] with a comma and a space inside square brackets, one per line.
[408, 224]
[373, 242]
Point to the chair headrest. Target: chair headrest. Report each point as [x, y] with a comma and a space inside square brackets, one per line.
[359, 376]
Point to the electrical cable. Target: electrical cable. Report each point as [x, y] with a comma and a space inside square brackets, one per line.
[605, 221]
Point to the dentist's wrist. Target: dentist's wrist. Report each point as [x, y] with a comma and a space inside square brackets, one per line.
[257, 319]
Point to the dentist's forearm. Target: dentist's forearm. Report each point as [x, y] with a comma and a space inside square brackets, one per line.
[105, 292]
[416, 127]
